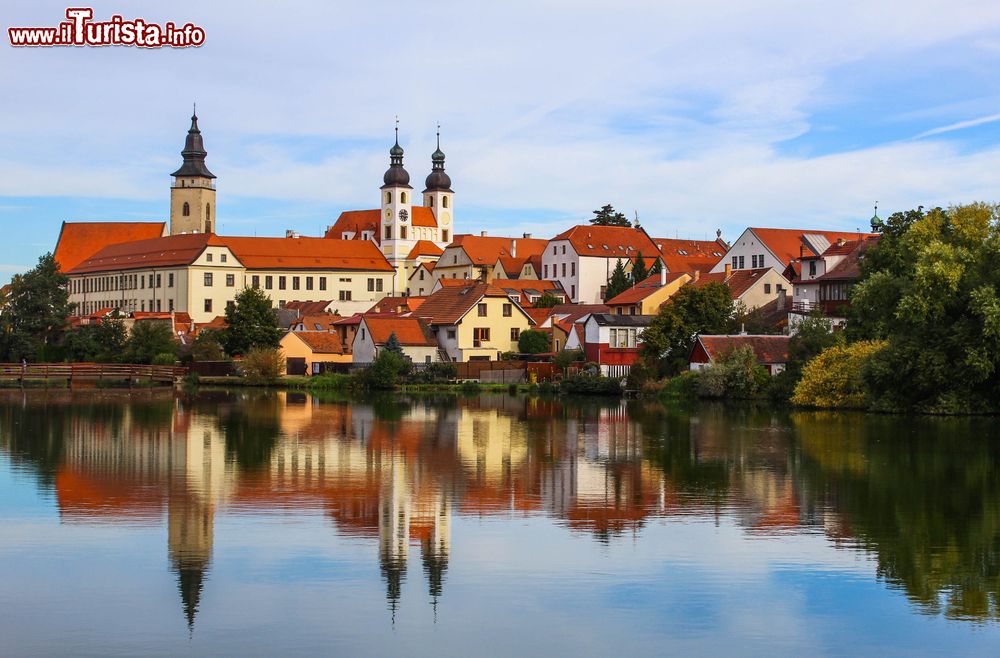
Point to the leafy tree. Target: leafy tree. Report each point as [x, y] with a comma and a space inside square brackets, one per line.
[262, 365]
[546, 300]
[639, 271]
[533, 341]
[668, 340]
[736, 375]
[931, 288]
[618, 283]
[149, 340]
[564, 358]
[103, 343]
[608, 216]
[384, 371]
[835, 378]
[252, 323]
[207, 346]
[657, 267]
[34, 317]
[812, 335]
[392, 344]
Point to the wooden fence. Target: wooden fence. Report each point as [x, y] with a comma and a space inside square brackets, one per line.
[90, 372]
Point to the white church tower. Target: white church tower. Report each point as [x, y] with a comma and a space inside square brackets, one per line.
[397, 237]
[439, 197]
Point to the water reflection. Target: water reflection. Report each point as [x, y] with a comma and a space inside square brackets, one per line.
[920, 495]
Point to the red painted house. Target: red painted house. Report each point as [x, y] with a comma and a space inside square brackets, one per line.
[612, 341]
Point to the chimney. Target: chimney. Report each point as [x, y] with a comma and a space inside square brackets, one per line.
[482, 234]
[289, 233]
[697, 275]
[527, 236]
[513, 248]
[729, 270]
[663, 276]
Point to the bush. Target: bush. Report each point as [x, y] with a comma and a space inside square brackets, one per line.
[533, 341]
[384, 372]
[329, 381]
[565, 358]
[736, 375]
[262, 365]
[591, 385]
[470, 388]
[546, 388]
[191, 380]
[638, 375]
[835, 378]
[164, 359]
[149, 340]
[684, 385]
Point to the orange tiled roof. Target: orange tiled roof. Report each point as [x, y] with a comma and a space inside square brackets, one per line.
[849, 269]
[539, 315]
[787, 244]
[409, 331]
[356, 221]
[317, 307]
[307, 253]
[609, 241]
[573, 312]
[321, 342]
[424, 248]
[739, 281]
[397, 304]
[78, 241]
[769, 349]
[690, 255]
[321, 322]
[450, 303]
[486, 250]
[643, 289]
[170, 251]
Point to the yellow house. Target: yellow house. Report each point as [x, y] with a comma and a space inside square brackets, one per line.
[305, 350]
[477, 322]
[647, 296]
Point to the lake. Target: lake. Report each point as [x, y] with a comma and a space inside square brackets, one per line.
[277, 523]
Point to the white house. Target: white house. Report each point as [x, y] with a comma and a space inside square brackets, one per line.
[777, 248]
[415, 338]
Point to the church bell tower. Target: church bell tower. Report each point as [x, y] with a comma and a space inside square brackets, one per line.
[192, 195]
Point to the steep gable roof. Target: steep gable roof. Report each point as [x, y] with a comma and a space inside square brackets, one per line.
[768, 349]
[449, 304]
[644, 289]
[318, 307]
[321, 342]
[424, 248]
[849, 268]
[609, 241]
[78, 241]
[486, 250]
[320, 322]
[788, 244]
[409, 331]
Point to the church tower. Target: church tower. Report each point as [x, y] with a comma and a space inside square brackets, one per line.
[192, 195]
[438, 195]
[397, 237]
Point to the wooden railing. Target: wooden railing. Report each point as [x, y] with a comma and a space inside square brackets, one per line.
[90, 372]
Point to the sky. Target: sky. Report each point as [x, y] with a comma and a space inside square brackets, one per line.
[694, 116]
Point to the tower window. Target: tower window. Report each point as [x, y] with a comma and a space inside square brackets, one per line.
[208, 211]
[388, 197]
[186, 211]
[444, 201]
[402, 197]
[388, 233]
[430, 201]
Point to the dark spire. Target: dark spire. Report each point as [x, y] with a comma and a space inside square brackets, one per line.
[194, 153]
[395, 175]
[438, 180]
[190, 580]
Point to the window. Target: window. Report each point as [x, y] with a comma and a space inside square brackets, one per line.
[481, 308]
[812, 268]
[208, 278]
[371, 285]
[572, 268]
[508, 310]
[402, 197]
[741, 263]
[208, 216]
[572, 292]
[421, 275]
[564, 249]
[322, 283]
[378, 285]
[170, 280]
[223, 257]
[402, 229]
[282, 282]
[158, 306]
[150, 280]
[753, 261]
[345, 295]
[255, 279]
[604, 291]
[735, 262]
[388, 232]
[186, 211]
[388, 197]
[268, 282]
[545, 271]
[767, 288]
[451, 334]
[564, 269]
[444, 201]
[170, 305]
[296, 282]
[230, 280]
[760, 260]
[309, 283]
[208, 305]
[208, 257]
[515, 334]
[480, 335]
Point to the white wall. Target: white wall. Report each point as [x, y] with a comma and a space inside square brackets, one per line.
[746, 247]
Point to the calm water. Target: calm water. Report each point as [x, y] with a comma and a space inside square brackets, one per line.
[279, 524]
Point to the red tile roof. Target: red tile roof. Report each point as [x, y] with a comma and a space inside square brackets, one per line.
[573, 312]
[78, 241]
[787, 244]
[356, 221]
[849, 269]
[768, 349]
[308, 307]
[397, 304]
[450, 303]
[307, 254]
[609, 241]
[690, 255]
[739, 281]
[321, 342]
[424, 248]
[486, 250]
[643, 289]
[539, 315]
[171, 251]
[321, 322]
[409, 331]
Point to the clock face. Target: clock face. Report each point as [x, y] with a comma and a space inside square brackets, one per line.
[445, 218]
[403, 215]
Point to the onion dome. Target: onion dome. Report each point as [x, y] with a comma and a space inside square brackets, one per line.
[395, 175]
[438, 180]
[194, 153]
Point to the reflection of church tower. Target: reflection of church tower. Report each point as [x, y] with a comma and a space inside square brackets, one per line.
[437, 546]
[189, 536]
[394, 531]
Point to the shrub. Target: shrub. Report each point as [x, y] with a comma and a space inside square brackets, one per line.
[591, 385]
[191, 380]
[835, 378]
[565, 358]
[684, 385]
[329, 381]
[638, 375]
[533, 341]
[546, 388]
[150, 339]
[262, 365]
[735, 375]
[470, 388]
[384, 372]
[164, 359]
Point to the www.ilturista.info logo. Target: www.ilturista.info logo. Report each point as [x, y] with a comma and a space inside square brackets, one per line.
[80, 30]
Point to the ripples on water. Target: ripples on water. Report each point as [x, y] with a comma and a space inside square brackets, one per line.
[255, 523]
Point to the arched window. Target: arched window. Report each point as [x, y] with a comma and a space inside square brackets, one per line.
[430, 200]
[444, 201]
[402, 197]
[388, 197]
[208, 211]
[186, 211]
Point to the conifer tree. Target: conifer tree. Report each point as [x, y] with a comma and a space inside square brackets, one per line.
[639, 271]
[618, 283]
[392, 344]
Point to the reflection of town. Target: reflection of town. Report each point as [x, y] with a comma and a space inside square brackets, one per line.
[397, 472]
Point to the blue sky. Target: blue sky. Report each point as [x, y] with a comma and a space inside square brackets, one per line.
[695, 115]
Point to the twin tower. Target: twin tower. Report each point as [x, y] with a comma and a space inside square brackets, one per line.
[192, 198]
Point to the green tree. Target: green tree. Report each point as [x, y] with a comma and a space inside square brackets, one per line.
[103, 343]
[657, 267]
[385, 371]
[546, 300]
[668, 339]
[931, 288]
[207, 346]
[618, 283]
[252, 323]
[639, 271]
[392, 344]
[565, 358]
[608, 216]
[262, 365]
[34, 317]
[149, 340]
[533, 341]
[835, 378]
